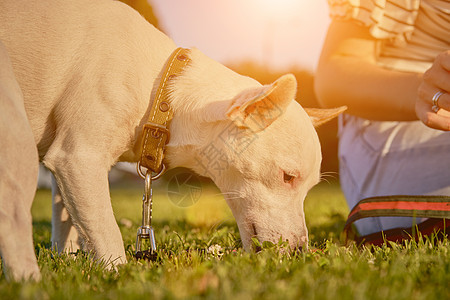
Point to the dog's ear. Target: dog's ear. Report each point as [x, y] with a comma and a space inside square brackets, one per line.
[257, 108]
[320, 116]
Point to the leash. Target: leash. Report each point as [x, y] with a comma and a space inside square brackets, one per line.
[435, 208]
[156, 135]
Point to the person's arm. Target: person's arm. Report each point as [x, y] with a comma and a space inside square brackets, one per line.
[435, 79]
[348, 75]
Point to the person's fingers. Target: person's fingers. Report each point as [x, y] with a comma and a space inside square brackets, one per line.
[444, 60]
[434, 91]
[439, 73]
[443, 101]
[439, 120]
[427, 92]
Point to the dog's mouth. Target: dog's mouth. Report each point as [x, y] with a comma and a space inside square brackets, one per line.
[254, 233]
[298, 248]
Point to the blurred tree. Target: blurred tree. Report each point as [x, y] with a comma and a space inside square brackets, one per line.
[306, 97]
[145, 9]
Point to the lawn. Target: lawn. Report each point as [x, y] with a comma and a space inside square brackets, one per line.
[201, 257]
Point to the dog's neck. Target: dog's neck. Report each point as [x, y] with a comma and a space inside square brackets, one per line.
[200, 98]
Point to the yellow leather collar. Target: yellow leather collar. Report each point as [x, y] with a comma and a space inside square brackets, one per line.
[156, 132]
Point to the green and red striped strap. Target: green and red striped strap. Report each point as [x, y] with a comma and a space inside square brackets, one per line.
[435, 208]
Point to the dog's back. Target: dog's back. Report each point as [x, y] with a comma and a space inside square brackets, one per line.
[62, 48]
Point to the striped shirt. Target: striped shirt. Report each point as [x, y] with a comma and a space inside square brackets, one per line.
[410, 32]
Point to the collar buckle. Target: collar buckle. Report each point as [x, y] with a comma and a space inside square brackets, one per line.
[157, 131]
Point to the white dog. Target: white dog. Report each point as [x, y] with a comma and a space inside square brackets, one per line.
[89, 71]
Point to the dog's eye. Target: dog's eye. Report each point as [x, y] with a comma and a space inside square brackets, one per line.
[288, 178]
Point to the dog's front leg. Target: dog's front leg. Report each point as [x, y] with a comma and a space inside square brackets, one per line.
[17, 187]
[18, 178]
[83, 181]
[65, 237]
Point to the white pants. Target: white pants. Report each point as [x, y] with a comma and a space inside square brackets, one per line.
[391, 158]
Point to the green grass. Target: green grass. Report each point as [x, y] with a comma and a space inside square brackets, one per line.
[416, 270]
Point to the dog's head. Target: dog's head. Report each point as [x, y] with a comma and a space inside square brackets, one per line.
[275, 156]
[260, 148]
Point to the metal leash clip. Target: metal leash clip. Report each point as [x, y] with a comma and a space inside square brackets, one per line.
[145, 232]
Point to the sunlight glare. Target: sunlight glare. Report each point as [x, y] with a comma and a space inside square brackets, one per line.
[281, 7]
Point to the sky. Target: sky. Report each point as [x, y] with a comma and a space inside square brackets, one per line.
[276, 33]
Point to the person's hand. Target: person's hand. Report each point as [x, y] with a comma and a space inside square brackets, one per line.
[433, 102]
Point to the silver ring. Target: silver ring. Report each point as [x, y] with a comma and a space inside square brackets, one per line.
[434, 101]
